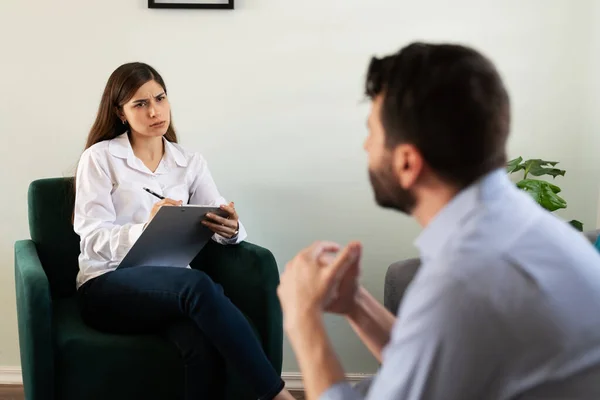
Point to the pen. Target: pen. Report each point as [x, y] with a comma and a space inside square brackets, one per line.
[154, 193]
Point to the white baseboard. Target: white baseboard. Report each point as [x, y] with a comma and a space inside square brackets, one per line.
[10, 376]
[293, 380]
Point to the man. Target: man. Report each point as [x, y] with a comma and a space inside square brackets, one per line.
[506, 302]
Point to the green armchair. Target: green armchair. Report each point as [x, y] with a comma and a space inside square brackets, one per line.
[64, 359]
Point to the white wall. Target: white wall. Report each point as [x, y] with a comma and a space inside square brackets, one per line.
[590, 145]
[271, 93]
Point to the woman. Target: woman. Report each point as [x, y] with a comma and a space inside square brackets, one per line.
[133, 145]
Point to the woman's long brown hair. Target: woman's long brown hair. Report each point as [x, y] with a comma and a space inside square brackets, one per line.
[120, 88]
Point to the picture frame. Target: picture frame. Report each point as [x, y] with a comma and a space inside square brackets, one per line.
[192, 4]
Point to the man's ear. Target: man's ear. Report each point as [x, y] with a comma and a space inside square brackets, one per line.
[407, 164]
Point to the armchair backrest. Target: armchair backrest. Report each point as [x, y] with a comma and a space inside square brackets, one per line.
[50, 208]
[592, 236]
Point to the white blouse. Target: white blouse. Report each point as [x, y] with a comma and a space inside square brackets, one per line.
[111, 207]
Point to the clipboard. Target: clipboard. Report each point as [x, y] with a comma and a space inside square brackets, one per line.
[173, 238]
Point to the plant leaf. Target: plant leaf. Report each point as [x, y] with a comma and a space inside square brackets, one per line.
[577, 225]
[535, 184]
[514, 165]
[537, 167]
[544, 193]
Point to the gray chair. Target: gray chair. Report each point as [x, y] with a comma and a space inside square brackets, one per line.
[398, 277]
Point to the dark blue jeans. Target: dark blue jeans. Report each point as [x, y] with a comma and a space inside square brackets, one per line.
[191, 311]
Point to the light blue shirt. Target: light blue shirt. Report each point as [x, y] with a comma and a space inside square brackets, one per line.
[505, 306]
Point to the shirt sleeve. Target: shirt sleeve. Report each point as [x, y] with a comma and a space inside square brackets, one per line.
[341, 391]
[445, 345]
[101, 238]
[204, 192]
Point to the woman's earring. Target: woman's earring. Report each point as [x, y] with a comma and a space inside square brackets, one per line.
[124, 121]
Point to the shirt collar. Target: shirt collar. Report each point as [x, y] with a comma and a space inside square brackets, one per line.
[174, 154]
[121, 147]
[449, 220]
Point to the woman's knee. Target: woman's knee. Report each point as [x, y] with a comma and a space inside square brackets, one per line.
[201, 286]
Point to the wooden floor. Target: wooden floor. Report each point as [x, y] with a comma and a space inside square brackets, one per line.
[298, 395]
[11, 392]
[15, 392]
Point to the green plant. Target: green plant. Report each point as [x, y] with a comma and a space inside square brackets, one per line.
[543, 192]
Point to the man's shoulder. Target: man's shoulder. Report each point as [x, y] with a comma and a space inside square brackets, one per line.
[505, 233]
[512, 264]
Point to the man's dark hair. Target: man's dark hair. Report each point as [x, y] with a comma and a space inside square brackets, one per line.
[449, 102]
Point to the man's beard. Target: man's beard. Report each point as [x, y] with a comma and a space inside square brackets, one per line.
[389, 193]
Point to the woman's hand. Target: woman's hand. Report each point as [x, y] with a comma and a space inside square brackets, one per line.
[227, 227]
[157, 206]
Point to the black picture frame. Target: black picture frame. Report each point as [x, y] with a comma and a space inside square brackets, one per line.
[199, 5]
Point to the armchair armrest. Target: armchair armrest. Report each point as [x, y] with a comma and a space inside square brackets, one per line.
[249, 276]
[399, 275]
[34, 314]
